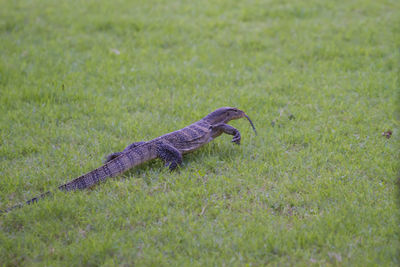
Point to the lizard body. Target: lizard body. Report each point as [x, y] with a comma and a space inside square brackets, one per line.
[169, 147]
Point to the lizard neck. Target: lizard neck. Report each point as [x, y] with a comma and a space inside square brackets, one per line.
[212, 121]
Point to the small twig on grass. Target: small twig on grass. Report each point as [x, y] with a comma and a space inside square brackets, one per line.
[203, 210]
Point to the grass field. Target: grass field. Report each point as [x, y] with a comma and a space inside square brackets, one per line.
[317, 186]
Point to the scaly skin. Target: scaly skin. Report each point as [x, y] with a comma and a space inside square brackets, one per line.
[169, 147]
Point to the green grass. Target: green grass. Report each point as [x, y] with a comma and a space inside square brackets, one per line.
[81, 79]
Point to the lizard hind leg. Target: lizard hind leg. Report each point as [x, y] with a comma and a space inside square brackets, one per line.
[133, 145]
[112, 156]
[117, 154]
[170, 155]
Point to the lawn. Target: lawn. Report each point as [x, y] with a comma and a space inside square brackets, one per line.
[317, 186]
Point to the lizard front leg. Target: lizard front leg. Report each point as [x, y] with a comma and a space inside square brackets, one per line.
[116, 154]
[225, 128]
[169, 154]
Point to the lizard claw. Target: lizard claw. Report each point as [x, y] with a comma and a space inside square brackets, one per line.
[172, 165]
[236, 140]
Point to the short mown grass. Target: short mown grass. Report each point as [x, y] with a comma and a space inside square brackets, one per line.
[317, 186]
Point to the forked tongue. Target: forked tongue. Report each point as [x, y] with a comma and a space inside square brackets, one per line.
[252, 125]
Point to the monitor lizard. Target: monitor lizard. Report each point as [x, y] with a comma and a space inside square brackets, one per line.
[169, 147]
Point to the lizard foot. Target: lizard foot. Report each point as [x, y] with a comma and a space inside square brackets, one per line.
[236, 139]
[170, 155]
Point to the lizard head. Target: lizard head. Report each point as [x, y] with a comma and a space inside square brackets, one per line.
[226, 114]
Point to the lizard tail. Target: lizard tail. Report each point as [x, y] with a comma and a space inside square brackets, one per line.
[112, 168]
[109, 169]
[30, 201]
[115, 166]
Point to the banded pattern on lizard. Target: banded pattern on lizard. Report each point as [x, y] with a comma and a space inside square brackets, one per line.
[169, 147]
